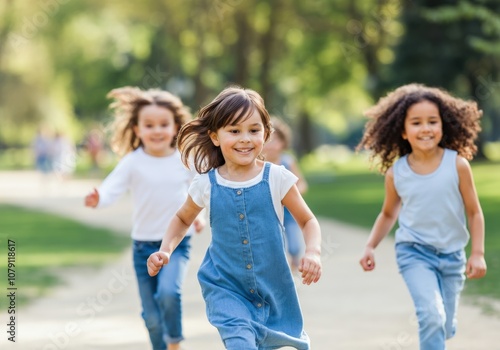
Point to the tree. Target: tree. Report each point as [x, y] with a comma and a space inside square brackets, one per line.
[454, 47]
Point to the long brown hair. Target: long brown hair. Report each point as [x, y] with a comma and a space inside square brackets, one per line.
[233, 105]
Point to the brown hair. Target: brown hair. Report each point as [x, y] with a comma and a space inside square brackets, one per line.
[232, 106]
[128, 101]
[383, 132]
[282, 130]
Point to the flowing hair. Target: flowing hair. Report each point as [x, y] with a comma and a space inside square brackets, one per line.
[128, 102]
[232, 106]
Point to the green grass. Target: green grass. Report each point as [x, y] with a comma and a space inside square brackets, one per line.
[47, 244]
[351, 193]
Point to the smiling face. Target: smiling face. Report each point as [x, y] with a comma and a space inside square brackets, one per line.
[242, 143]
[274, 148]
[156, 128]
[423, 126]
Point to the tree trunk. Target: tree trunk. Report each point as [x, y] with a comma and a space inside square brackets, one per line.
[305, 134]
[267, 43]
[241, 70]
[474, 86]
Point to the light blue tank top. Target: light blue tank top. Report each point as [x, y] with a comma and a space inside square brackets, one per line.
[432, 211]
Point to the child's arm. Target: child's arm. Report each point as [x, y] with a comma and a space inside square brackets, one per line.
[310, 265]
[384, 222]
[176, 231]
[301, 182]
[476, 265]
[113, 186]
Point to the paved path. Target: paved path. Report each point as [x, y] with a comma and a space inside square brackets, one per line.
[98, 309]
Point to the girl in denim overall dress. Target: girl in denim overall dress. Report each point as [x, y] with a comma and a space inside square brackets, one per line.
[430, 190]
[247, 285]
[145, 129]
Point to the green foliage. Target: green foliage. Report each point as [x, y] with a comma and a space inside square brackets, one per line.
[486, 14]
[317, 63]
[47, 244]
[294, 53]
[454, 46]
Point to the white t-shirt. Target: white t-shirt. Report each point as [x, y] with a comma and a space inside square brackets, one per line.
[158, 185]
[280, 182]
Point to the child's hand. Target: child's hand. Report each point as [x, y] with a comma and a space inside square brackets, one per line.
[476, 266]
[156, 262]
[310, 267]
[199, 224]
[92, 199]
[368, 260]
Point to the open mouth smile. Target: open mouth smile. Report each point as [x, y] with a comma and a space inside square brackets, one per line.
[243, 150]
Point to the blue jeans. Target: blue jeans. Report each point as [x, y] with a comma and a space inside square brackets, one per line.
[294, 238]
[161, 295]
[435, 281]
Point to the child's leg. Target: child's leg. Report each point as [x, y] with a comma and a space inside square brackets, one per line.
[147, 288]
[452, 282]
[168, 294]
[419, 270]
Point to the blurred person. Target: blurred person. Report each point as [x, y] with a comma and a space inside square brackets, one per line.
[145, 131]
[246, 282]
[430, 190]
[94, 147]
[42, 150]
[64, 155]
[274, 151]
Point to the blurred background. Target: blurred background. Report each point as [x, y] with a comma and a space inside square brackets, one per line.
[317, 63]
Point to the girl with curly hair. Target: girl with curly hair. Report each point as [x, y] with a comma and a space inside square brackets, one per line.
[145, 129]
[424, 138]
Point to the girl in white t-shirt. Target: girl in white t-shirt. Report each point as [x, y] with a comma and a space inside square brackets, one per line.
[145, 130]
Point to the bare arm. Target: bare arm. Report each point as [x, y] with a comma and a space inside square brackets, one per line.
[476, 265]
[301, 182]
[311, 262]
[176, 231]
[384, 222]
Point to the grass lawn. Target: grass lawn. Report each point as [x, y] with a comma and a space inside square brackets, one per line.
[46, 244]
[351, 193]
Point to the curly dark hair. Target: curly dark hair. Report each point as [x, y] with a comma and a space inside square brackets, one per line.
[128, 101]
[383, 131]
[233, 105]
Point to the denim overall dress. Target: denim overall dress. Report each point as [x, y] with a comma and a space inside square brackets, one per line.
[245, 279]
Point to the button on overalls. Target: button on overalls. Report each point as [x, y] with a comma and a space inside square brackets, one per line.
[245, 279]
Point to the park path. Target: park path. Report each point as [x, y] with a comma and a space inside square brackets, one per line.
[98, 309]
